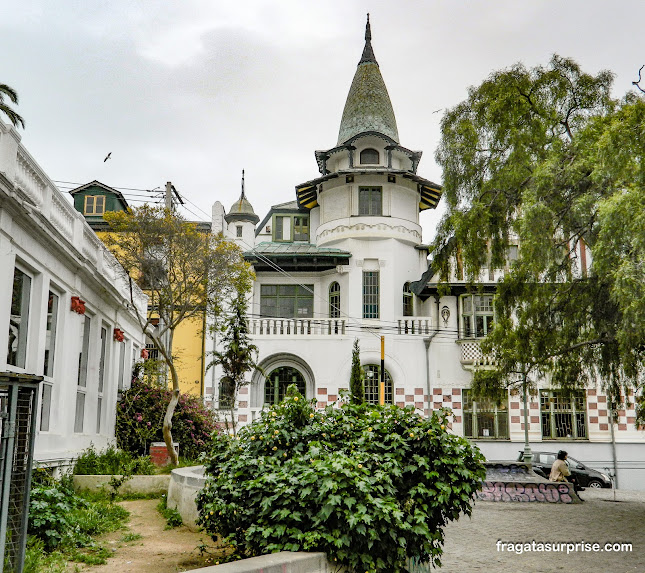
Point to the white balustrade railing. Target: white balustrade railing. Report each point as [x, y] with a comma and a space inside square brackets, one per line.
[297, 326]
[37, 192]
[415, 325]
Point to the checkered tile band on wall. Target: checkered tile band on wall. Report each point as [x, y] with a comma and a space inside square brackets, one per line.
[598, 412]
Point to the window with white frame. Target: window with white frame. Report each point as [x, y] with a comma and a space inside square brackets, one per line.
[371, 384]
[334, 300]
[563, 416]
[122, 347]
[476, 315]
[19, 319]
[48, 366]
[483, 418]
[81, 387]
[101, 384]
[371, 296]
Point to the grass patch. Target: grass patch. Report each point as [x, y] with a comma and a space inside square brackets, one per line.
[172, 516]
[130, 537]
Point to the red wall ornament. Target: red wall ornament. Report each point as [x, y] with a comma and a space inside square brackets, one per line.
[78, 305]
[144, 353]
[118, 335]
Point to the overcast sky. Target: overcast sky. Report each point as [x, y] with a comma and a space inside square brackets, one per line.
[195, 91]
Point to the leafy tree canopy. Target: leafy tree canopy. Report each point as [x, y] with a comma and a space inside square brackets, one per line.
[14, 117]
[545, 157]
[186, 273]
[371, 486]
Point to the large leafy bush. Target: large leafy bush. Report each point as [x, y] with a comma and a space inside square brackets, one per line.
[140, 414]
[371, 486]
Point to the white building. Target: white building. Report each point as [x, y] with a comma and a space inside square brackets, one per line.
[345, 261]
[65, 309]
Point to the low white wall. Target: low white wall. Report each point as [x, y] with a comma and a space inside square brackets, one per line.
[139, 484]
[182, 490]
[283, 562]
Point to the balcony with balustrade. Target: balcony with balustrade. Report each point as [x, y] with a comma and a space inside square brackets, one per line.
[472, 355]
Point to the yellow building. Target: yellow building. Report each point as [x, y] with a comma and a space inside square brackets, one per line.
[93, 200]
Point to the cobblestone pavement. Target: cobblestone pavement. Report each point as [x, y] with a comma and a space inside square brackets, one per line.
[471, 543]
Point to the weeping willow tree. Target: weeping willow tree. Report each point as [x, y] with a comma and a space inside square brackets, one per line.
[546, 157]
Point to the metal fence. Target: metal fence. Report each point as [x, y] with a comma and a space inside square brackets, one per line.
[18, 413]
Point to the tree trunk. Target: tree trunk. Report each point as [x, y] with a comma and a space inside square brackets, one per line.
[167, 428]
[170, 410]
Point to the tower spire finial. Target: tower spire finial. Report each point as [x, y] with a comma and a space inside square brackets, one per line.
[368, 52]
[242, 195]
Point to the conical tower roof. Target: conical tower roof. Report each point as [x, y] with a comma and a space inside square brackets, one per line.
[368, 106]
[242, 210]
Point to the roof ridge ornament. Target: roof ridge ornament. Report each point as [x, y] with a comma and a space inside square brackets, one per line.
[368, 52]
[242, 196]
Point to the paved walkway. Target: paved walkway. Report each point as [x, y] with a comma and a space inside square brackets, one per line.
[471, 543]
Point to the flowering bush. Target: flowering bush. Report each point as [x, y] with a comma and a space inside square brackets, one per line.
[140, 416]
[371, 486]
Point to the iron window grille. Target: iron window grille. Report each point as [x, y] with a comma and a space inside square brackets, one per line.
[276, 384]
[563, 416]
[372, 380]
[483, 418]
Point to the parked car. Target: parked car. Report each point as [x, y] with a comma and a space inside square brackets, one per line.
[585, 476]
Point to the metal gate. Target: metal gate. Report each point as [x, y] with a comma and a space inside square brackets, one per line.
[18, 413]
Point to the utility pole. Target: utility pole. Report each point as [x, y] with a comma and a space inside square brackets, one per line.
[169, 195]
[381, 386]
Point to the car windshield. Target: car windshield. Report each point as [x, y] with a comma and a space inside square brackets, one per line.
[572, 461]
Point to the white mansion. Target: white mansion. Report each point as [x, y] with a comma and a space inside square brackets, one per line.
[344, 260]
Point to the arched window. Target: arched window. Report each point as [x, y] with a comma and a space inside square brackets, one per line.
[334, 300]
[408, 301]
[275, 385]
[369, 157]
[372, 380]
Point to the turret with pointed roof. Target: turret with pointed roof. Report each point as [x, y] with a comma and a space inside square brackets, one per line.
[242, 210]
[368, 106]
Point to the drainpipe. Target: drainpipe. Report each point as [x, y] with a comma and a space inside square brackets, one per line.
[427, 342]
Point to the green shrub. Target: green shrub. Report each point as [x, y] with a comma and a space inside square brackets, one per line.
[62, 520]
[171, 515]
[111, 461]
[371, 486]
[50, 509]
[140, 415]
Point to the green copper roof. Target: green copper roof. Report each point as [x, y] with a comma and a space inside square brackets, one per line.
[368, 106]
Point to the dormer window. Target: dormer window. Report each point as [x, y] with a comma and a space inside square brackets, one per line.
[289, 228]
[94, 205]
[369, 157]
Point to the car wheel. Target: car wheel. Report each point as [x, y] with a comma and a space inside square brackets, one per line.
[594, 483]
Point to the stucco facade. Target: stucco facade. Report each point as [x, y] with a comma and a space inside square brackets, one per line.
[344, 261]
[64, 307]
